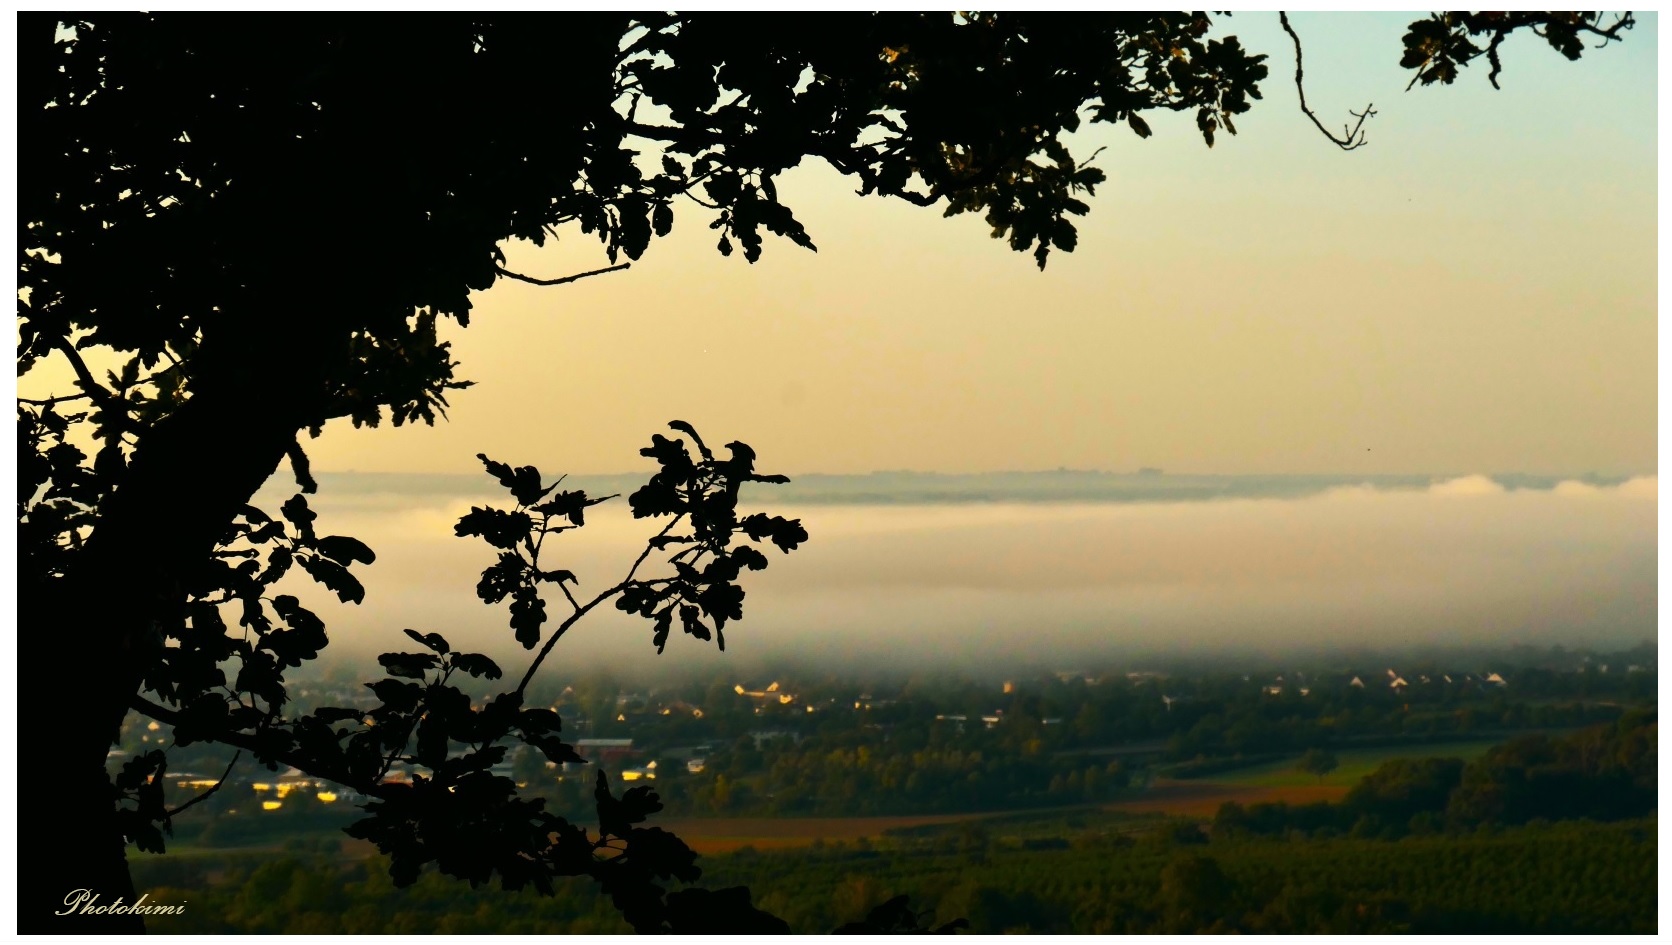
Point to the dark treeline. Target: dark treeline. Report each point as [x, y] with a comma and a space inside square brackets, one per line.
[1604, 773]
[834, 746]
[1559, 878]
[1544, 833]
[935, 746]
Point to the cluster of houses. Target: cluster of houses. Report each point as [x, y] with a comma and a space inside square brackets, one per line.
[1393, 680]
[622, 759]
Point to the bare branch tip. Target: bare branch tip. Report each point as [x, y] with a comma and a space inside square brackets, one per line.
[562, 281]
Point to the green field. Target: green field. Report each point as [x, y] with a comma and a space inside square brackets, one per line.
[1355, 764]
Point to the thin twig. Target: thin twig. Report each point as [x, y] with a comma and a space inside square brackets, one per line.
[649, 545]
[205, 795]
[1492, 57]
[1624, 21]
[563, 281]
[49, 401]
[1355, 134]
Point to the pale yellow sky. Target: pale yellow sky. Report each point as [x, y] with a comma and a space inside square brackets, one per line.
[1474, 292]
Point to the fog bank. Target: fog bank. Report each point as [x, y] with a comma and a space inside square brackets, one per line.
[968, 585]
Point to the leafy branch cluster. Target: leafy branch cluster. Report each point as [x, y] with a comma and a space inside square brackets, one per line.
[520, 539]
[424, 754]
[58, 492]
[255, 553]
[968, 108]
[1442, 44]
[59, 486]
[705, 494]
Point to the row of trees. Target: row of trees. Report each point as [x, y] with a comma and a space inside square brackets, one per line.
[1603, 773]
[910, 753]
[1566, 878]
[1194, 712]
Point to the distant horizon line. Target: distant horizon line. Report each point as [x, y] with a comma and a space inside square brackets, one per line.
[904, 487]
[1146, 472]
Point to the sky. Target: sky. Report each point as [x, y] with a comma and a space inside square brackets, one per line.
[1474, 292]
[1472, 295]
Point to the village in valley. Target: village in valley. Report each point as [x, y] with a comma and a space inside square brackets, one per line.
[1148, 723]
[1409, 793]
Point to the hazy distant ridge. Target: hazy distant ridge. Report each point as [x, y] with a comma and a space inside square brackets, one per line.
[918, 488]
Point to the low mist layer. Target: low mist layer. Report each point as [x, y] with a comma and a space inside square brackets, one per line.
[972, 585]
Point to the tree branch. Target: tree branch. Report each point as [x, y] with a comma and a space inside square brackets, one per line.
[1624, 21]
[565, 589]
[1355, 134]
[300, 468]
[648, 546]
[1492, 57]
[205, 795]
[563, 281]
[253, 745]
[582, 610]
[83, 376]
[563, 628]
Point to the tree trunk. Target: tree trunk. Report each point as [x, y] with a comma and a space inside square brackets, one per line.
[67, 834]
[87, 640]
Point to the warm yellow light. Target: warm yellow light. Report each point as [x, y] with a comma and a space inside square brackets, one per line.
[262, 786]
[327, 796]
[271, 805]
[630, 775]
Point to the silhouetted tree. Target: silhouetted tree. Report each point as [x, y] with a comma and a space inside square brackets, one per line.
[259, 221]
